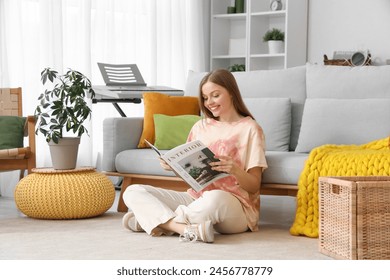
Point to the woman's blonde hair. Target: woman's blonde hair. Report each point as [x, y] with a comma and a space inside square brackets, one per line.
[224, 78]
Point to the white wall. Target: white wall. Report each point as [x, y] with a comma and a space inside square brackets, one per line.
[349, 25]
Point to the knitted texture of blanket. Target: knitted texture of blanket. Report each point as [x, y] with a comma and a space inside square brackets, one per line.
[371, 159]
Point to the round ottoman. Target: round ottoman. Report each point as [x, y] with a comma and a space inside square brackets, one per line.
[64, 194]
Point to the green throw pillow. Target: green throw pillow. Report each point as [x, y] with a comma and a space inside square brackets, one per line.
[172, 131]
[11, 132]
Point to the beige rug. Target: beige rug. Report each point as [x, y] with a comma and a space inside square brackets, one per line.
[103, 238]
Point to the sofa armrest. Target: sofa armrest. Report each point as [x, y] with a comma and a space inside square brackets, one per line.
[119, 134]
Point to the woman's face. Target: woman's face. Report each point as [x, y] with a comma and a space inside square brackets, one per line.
[218, 101]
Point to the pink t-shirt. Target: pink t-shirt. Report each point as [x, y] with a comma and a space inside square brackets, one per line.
[244, 142]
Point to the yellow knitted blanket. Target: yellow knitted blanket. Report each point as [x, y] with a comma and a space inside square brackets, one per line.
[371, 159]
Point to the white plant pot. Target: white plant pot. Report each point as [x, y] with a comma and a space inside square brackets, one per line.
[64, 154]
[275, 46]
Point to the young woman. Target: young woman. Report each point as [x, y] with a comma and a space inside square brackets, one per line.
[229, 205]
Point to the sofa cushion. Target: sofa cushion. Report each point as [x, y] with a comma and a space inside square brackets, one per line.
[172, 131]
[11, 132]
[347, 82]
[343, 121]
[193, 82]
[274, 116]
[284, 167]
[140, 161]
[158, 103]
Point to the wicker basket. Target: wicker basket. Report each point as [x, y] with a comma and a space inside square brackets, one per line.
[354, 221]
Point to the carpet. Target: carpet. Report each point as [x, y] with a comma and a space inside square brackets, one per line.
[103, 238]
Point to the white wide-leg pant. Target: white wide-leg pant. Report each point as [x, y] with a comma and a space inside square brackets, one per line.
[154, 206]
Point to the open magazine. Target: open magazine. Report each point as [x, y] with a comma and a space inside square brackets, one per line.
[190, 161]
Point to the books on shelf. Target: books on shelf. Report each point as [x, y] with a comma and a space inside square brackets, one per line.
[190, 161]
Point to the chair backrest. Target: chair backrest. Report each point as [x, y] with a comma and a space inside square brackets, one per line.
[11, 102]
[121, 74]
[17, 158]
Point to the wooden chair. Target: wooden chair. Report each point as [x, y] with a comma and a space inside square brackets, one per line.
[17, 158]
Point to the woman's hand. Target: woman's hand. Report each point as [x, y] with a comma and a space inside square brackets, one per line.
[225, 164]
[164, 165]
[249, 180]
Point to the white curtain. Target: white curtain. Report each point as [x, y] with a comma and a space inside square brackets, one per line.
[165, 38]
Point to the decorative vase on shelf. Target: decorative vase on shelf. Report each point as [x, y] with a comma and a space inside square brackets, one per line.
[231, 10]
[239, 4]
[275, 46]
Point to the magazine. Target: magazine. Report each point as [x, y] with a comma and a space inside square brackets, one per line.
[190, 161]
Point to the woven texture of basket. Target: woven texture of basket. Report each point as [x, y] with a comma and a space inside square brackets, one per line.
[64, 194]
[354, 217]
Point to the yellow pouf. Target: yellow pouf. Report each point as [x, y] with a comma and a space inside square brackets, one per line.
[64, 194]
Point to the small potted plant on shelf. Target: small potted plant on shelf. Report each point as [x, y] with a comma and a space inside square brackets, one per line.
[236, 67]
[275, 39]
[63, 107]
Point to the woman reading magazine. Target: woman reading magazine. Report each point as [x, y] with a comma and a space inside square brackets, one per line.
[229, 205]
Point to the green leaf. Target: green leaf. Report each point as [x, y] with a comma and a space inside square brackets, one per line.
[54, 138]
[44, 132]
[44, 78]
[43, 122]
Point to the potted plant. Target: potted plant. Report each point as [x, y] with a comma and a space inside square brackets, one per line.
[236, 68]
[275, 39]
[63, 108]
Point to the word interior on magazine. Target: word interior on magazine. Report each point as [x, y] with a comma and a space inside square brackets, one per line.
[183, 152]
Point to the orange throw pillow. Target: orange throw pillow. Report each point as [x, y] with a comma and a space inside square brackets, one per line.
[159, 103]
